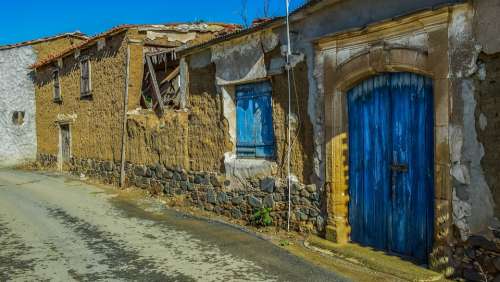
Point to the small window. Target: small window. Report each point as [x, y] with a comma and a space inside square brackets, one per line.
[57, 86]
[18, 118]
[254, 121]
[85, 80]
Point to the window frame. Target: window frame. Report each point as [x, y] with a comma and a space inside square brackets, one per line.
[56, 94]
[84, 93]
[254, 95]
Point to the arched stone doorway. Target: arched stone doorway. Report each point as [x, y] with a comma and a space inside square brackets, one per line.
[339, 77]
[391, 163]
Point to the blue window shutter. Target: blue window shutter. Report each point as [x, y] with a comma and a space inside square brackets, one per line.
[254, 121]
[244, 125]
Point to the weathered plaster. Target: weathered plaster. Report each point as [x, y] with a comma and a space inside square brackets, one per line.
[473, 201]
[248, 52]
[17, 93]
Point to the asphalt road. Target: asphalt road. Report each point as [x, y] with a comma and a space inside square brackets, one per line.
[60, 229]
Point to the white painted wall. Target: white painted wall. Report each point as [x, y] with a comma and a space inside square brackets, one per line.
[17, 93]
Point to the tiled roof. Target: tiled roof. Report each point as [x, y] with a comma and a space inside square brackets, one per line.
[257, 27]
[77, 35]
[180, 27]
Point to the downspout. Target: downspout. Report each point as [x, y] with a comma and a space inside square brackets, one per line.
[124, 128]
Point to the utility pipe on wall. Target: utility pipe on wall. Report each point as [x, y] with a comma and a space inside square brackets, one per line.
[124, 129]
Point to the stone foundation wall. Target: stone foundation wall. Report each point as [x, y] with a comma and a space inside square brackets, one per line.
[478, 259]
[234, 198]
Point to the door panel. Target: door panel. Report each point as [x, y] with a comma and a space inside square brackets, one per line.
[413, 146]
[65, 143]
[369, 166]
[391, 163]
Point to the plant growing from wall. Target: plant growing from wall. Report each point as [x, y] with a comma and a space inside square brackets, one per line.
[262, 217]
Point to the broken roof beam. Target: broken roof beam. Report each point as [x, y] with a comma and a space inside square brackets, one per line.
[156, 88]
[172, 75]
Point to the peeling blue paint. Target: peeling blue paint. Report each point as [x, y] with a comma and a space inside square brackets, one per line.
[254, 120]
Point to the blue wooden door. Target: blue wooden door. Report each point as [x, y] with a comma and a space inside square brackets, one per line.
[391, 163]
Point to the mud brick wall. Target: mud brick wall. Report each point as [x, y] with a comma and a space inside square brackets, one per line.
[302, 133]
[95, 122]
[153, 140]
[208, 131]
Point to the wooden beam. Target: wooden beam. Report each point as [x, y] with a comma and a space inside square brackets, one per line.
[172, 75]
[154, 81]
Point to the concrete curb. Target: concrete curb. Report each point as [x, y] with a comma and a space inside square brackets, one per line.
[374, 260]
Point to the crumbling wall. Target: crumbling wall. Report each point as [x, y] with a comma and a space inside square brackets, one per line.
[208, 131]
[96, 122]
[152, 140]
[472, 199]
[302, 130]
[17, 93]
[474, 142]
[488, 121]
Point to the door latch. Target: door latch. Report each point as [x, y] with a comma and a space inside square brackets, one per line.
[399, 168]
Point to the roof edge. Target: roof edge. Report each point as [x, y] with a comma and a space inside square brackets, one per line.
[277, 21]
[76, 34]
[113, 31]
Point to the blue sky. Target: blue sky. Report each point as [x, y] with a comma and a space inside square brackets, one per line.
[31, 19]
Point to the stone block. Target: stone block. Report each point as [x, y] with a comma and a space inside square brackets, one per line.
[305, 202]
[185, 185]
[254, 202]
[313, 212]
[295, 189]
[215, 181]
[167, 174]
[301, 216]
[140, 170]
[304, 193]
[268, 184]
[236, 213]
[311, 188]
[223, 198]
[269, 201]
[184, 176]
[314, 197]
[477, 241]
[200, 179]
[176, 176]
[109, 166]
[211, 197]
[237, 200]
[320, 223]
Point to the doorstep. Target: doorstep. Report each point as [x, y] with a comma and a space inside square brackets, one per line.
[375, 260]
